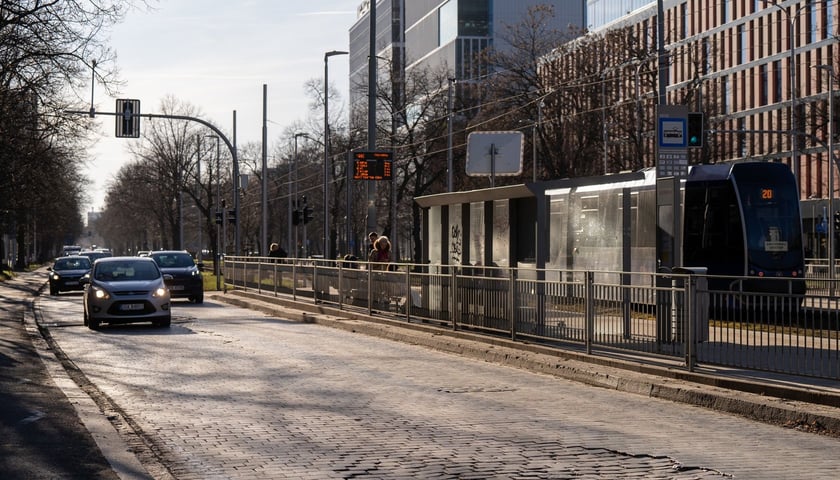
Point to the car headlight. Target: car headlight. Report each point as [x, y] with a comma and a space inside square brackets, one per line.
[56, 276]
[100, 293]
[159, 292]
[195, 272]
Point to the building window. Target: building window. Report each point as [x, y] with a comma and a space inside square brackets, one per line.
[743, 46]
[463, 18]
[448, 22]
[473, 18]
[762, 92]
[777, 81]
[727, 95]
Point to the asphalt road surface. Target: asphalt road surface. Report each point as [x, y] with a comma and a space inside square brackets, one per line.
[231, 393]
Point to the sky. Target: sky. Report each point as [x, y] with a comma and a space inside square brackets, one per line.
[216, 55]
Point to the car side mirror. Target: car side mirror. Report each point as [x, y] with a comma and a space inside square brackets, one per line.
[167, 276]
[85, 279]
[200, 266]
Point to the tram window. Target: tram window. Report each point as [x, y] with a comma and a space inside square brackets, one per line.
[712, 232]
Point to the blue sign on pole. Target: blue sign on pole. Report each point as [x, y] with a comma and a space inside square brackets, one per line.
[672, 133]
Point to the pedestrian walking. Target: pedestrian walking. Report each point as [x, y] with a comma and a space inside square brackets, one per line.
[380, 256]
[372, 236]
[276, 251]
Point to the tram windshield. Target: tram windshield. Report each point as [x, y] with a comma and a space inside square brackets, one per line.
[771, 217]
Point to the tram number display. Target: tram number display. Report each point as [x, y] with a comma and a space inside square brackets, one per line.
[767, 194]
[372, 165]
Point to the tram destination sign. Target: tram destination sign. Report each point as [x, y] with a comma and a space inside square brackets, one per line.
[374, 165]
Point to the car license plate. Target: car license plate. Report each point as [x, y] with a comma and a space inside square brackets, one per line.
[176, 287]
[131, 306]
[71, 282]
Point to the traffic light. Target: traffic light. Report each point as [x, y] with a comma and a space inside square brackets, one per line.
[307, 214]
[695, 129]
[231, 216]
[837, 221]
[219, 220]
[295, 217]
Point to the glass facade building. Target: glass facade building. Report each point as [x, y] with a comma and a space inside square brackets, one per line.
[603, 12]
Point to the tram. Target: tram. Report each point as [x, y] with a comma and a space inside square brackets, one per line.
[738, 220]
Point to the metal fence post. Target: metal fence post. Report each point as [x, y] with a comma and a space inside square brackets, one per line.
[408, 300]
[453, 298]
[314, 281]
[259, 276]
[340, 285]
[370, 289]
[689, 319]
[294, 279]
[589, 310]
[512, 302]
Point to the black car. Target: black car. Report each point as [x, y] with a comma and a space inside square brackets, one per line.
[186, 281]
[66, 273]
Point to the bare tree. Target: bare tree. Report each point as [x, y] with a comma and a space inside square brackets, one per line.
[47, 50]
[169, 150]
[515, 92]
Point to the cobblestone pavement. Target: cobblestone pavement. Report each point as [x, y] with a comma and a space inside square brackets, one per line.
[230, 393]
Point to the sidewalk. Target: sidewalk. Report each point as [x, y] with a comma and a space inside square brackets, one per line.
[49, 428]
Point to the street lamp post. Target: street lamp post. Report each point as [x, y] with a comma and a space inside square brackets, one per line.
[327, 55]
[452, 82]
[293, 196]
[217, 257]
[536, 126]
[830, 219]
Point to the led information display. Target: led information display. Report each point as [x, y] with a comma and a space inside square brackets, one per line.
[372, 165]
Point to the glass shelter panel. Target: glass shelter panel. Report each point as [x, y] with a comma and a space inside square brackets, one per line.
[456, 235]
[476, 234]
[434, 235]
[501, 233]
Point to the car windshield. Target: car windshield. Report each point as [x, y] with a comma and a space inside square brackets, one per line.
[72, 264]
[173, 260]
[125, 271]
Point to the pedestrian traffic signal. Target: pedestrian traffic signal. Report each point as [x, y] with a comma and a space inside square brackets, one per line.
[695, 129]
[307, 214]
[295, 217]
[231, 216]
[219, 219]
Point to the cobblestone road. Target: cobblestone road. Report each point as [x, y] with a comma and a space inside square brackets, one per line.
[229, 393]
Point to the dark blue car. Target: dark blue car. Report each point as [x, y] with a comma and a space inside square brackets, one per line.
[66, 273]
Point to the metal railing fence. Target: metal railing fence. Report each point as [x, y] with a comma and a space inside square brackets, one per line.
[677, 315]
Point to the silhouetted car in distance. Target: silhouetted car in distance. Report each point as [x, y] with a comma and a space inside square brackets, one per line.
[66, 272]
[94, 255]
[186, 280]
[125, 290]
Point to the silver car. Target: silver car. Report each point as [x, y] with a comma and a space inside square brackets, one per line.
[125, 290]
